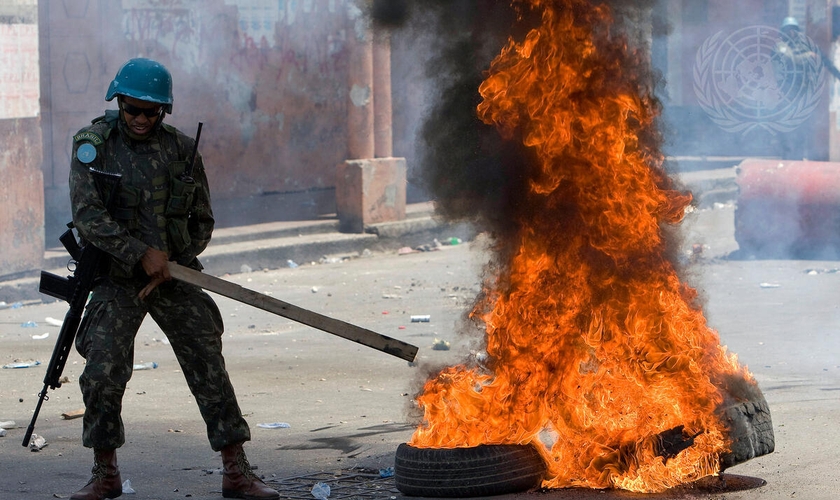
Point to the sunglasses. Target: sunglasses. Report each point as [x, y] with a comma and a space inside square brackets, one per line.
[135, 111]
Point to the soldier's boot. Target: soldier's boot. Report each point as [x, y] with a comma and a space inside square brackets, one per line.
[106, 481]
[239, 480]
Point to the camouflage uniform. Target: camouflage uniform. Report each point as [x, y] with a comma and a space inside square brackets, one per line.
[152, 210]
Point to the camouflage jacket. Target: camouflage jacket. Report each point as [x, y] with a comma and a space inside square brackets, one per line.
[151, 209]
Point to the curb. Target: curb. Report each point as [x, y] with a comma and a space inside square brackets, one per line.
[273, 246]
[276, 245]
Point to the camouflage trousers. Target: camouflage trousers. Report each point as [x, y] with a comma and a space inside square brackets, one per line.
[192, 323]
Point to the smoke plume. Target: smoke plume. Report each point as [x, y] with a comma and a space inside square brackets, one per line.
[473, 173]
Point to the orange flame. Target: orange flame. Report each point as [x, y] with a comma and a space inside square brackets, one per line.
[595, 346]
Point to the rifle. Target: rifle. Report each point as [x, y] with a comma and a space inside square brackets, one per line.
[84, 264]
[186, 176]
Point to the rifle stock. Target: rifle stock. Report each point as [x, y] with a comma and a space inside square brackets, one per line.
[75, 290]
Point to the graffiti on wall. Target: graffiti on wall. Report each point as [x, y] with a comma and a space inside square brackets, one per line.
[172, 26]
[260, 19]
[276, 73]
[261, 24]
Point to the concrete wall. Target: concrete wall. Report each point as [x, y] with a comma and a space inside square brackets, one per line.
[21, 196]
[21, 189]
[269, 79]
[685, 26]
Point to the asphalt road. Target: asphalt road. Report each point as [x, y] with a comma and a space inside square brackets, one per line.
[348, 406]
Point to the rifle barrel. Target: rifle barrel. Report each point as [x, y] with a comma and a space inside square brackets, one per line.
[42, 396]
[87, 267]
[188, 173]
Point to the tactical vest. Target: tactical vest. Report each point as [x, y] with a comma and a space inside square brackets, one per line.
[153, 202]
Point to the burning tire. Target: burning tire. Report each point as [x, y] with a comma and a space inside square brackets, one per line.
[750, 432]
[468, 472]
[501, 469]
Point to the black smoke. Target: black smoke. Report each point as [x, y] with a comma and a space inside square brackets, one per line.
[472, 173]
[468, 169]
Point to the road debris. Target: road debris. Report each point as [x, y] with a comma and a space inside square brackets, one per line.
[22, 364]
[389, 472]
[53, 321]
[274, 425]
[70, 415]
[37, 443]
[321, 491]
[440, 345]
[822, 271]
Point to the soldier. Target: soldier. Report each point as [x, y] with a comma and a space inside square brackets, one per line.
[159, 215]
[796, 65]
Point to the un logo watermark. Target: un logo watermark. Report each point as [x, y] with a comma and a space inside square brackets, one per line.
[759, 77]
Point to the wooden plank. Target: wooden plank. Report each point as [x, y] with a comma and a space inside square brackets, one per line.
[334, 326]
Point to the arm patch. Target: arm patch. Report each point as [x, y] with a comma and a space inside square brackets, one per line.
[88, 136]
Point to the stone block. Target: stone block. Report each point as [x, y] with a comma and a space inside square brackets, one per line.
[370, 191]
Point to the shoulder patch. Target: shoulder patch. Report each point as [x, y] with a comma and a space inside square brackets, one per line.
[88, 136]
[86, 153]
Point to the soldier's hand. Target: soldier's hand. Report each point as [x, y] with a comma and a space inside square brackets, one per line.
[155, 263]
[148, 288]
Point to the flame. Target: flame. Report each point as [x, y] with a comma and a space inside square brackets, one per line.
[596, 348]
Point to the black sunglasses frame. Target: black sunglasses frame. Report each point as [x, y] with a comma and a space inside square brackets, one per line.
[135, 111]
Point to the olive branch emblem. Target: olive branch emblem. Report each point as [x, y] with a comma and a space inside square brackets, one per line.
[742, 83]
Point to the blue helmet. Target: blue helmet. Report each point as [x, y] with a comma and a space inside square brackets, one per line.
[143, 79]
[790, 23]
